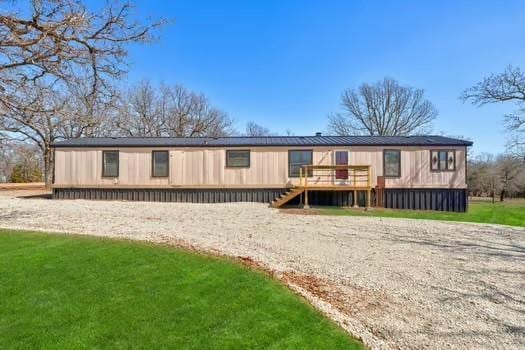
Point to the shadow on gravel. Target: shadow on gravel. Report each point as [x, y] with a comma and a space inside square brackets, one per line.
[484, 284]
[480, 247]
[36, 196]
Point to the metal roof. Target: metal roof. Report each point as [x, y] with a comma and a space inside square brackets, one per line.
[265, 141]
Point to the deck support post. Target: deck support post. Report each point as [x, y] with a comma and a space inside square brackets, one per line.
[369, 187]
[355, 199]
[306, 206]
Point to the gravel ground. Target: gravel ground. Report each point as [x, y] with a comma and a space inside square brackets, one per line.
[394, 283]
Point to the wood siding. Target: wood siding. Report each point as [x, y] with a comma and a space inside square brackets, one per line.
[198, 167]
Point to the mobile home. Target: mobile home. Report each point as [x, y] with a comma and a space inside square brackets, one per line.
[412, 172]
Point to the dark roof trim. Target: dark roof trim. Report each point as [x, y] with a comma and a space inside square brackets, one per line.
[252, 145]
[270, 141]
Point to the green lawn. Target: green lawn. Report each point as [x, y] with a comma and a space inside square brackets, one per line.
[68, 292]
[511, 212]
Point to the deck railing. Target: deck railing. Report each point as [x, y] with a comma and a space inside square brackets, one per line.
[336, 177]
[357, 176]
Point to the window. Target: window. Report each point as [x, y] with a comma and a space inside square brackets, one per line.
[110, 163]
[296, 159]
[443, 160]
[391, 163]
[238, 159]
[160, 164]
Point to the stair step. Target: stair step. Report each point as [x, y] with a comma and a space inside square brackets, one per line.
[285, 197]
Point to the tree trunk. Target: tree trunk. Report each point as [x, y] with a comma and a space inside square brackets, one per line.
[502, 196]
[49, 166]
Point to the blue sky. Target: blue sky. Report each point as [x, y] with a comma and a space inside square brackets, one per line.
[284, 64]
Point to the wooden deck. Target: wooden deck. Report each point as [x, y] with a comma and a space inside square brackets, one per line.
[330, 178]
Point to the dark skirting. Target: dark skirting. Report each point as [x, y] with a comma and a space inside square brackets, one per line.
[455, 200]
[170, 195]
[426, 199]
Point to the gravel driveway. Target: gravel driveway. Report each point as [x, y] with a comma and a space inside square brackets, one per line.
[395, 283]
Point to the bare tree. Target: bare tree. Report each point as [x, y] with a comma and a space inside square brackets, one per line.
[6, 159]
[383, 108]
[254, 129]
[490, 176]
[141, 112]
[169, 111]
[511, 170]
[53, 116]
[508, 86]
[191, 114]
[26, 165]
[47, 52]
[19, 162]
[481, 175]
[60, 41]
[36, 123]
[83, 114]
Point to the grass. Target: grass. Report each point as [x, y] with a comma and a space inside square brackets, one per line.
[510, 212]
[65, 292]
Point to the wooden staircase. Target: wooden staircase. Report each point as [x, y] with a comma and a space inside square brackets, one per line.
[287, 196]
[321, 178]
